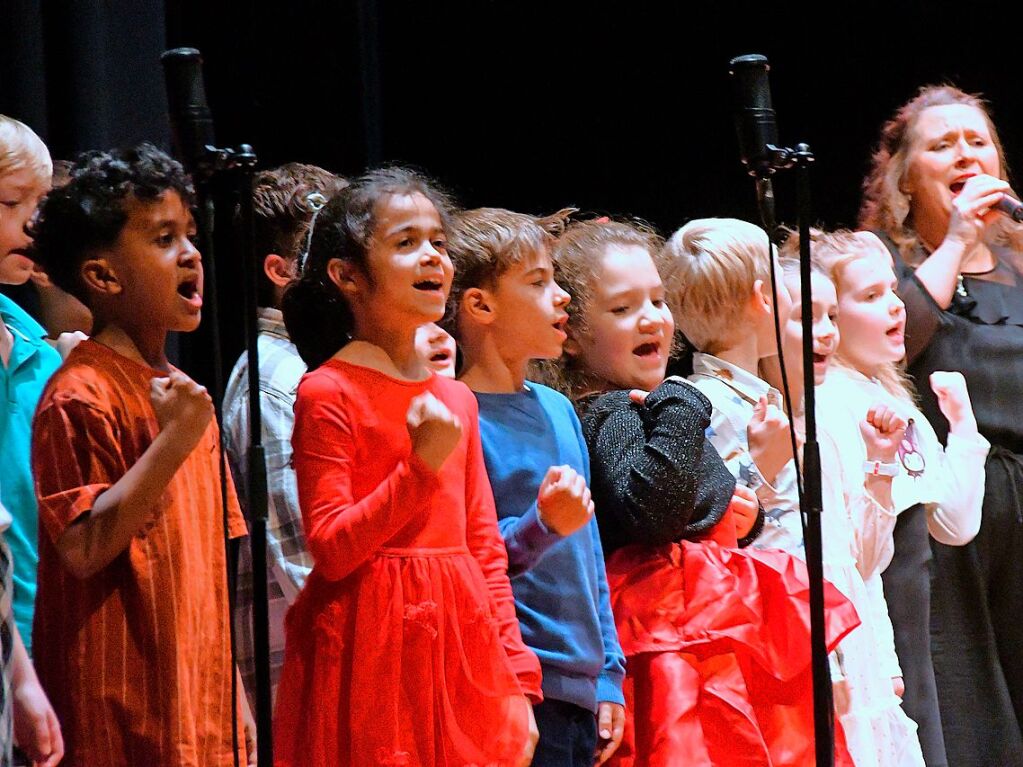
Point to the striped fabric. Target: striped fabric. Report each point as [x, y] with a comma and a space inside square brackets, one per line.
[135, 659]
[288, 560]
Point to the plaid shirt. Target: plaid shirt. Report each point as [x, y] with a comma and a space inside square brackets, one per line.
[288, 560]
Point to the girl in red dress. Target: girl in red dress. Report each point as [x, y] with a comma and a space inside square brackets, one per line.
[716, 636]
[403, 647]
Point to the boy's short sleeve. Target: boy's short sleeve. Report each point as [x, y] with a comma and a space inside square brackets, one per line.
[236, 525]
[75, 457]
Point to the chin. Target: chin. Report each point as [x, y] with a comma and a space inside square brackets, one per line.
[189, 325]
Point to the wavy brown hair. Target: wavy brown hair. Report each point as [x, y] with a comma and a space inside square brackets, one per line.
[578, 257]
[885, 207]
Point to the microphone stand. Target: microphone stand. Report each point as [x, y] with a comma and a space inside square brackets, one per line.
[193, 133]
[810, 485]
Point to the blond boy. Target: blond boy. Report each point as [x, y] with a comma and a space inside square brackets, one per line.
[720, 286]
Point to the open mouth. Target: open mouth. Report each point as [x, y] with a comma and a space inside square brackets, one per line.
[957, 186]
[895, 332]
[650, 349]
[560, 324]
[189, 290]
[440, 357]
[428, 285]
[820, 359]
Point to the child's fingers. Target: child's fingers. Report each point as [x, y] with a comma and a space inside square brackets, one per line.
[638, 396]
[745, 493]
[604, 722]
[760, 409]
[551, 478]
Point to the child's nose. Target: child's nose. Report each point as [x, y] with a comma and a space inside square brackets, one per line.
[190, 255]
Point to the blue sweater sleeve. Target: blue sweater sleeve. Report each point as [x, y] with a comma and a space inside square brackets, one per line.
[609, 683]
[526, 539]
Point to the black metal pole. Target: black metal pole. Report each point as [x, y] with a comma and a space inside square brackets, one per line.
[823, 710]
[256, 491]
[206, 209]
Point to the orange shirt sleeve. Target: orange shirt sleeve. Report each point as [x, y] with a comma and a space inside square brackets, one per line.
[487, 546]
[76, 456]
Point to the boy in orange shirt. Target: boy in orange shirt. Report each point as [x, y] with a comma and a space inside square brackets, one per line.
[131, 626]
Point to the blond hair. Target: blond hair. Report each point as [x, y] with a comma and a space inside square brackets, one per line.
[886, 207]
[21, 148]
[714, 263]
[833, 252]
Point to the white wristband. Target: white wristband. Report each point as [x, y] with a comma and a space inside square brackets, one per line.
[878, 469]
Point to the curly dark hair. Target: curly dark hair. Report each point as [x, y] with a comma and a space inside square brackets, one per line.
[89, 212]
[316, 315]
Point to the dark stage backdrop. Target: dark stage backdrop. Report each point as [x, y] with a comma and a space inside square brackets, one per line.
[620, 108]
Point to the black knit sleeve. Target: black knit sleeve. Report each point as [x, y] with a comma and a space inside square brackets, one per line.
[655, 478]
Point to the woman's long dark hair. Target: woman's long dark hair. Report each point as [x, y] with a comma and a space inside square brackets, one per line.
[317, 316]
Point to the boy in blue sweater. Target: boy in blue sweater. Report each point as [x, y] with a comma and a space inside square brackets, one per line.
[506, 310]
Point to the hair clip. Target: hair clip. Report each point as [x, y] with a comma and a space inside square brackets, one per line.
[315, 202]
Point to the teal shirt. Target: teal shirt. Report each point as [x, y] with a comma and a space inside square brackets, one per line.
[32, 363]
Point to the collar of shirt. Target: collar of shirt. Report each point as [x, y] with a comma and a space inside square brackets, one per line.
[271, 322]
[742, 382]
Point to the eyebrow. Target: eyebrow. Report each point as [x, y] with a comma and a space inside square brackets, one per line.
[413, 228]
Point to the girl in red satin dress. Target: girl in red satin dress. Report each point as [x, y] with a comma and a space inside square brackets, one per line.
[716, 636]
[403, 648]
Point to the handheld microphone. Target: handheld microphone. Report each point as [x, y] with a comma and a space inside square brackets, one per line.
[190, 119]
[1011, 207]
[755, 121]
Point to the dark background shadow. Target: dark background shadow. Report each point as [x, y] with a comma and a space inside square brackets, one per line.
[621, 109]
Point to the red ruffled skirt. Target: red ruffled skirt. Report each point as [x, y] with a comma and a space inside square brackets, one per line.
[718, 648]
[400, 664]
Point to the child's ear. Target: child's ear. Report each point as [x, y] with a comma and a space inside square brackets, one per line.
[344, 273]
[99, 276]
[760, 302]
[478, 305]
[278, 269]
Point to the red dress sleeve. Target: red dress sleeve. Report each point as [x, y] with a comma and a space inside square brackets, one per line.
[487, 546]
[342, 534]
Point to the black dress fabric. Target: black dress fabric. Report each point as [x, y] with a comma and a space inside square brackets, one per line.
[977, 589]
[655, 478]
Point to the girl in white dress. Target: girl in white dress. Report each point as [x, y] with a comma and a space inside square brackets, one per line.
[857, 524]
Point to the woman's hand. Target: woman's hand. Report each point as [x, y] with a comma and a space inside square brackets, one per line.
[972, 211]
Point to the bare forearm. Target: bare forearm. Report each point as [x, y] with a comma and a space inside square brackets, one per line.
[940, 271]
[119, 513]
[22, 670]
[880, 489]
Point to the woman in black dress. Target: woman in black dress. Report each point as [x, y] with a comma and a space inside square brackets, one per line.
[936, 176]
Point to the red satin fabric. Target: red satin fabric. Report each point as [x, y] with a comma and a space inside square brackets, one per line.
[718, 648]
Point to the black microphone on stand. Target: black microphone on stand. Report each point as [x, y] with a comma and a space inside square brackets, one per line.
[757, 128]
[190, 119]
[758, 145]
